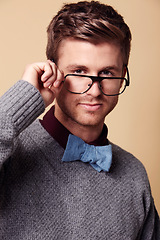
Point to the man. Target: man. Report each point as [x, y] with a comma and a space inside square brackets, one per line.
[61, 178]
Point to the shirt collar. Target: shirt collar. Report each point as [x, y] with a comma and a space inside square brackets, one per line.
[60, 133]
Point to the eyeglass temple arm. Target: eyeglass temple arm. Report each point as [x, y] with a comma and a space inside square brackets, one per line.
[128, 78]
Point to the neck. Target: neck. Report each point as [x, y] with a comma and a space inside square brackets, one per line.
[87, 133]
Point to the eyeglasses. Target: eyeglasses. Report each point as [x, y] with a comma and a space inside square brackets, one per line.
[109, 86]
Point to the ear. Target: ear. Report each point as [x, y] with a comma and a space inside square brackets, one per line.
[124, 71]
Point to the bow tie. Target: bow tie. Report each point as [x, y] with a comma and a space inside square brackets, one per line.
[99, 157]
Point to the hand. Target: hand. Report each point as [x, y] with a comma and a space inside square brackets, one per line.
[46, 77]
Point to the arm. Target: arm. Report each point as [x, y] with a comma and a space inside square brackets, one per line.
[24, 102]
[151, 227]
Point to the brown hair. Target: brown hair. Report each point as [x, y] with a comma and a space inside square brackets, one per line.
[91, 21]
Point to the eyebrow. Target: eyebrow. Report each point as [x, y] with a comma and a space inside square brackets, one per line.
[113, 67]
[73, 67]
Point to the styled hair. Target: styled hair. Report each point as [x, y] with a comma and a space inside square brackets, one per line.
[90, 21]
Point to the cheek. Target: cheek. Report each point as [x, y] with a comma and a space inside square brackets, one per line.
[110, 104]
[115, 101]
[61, 94]
[65, 98]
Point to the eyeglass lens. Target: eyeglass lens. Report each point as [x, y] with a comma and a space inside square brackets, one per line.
[80, 84]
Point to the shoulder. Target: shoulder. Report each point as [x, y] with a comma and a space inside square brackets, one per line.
[129, 168]
[35, 137]
[38, 134]
[126, 159]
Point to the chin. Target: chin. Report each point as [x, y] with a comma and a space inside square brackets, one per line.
[89, 121]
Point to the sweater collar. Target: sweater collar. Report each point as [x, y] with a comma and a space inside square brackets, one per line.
[60, 133]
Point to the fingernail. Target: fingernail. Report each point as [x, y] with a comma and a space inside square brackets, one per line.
[56, 83]
[48, 84]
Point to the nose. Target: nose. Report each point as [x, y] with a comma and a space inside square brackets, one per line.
[94, 90]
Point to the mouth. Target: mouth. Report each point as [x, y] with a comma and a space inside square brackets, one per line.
[91, 107]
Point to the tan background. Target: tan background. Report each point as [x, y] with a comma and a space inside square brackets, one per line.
[135, 123]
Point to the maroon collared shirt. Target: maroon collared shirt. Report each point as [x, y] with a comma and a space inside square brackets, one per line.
[60, 133]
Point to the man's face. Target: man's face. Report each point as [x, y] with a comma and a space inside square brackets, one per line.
[82, 57]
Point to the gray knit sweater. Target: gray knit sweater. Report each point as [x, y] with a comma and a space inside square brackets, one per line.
[43, 198]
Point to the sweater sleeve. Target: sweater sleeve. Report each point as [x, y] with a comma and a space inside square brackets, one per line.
[19, 107]
[151, 228]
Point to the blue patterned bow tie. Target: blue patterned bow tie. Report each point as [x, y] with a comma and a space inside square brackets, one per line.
[99, 157]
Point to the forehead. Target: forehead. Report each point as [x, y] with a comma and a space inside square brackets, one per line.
[75, 51]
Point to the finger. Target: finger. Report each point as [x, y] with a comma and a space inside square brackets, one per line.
[49, 79]
[47, 72]
[57, 85]
[59, 79]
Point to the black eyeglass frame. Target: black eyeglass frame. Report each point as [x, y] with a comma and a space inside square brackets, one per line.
[99, 79]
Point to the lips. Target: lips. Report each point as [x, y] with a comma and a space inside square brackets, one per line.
[91, 107]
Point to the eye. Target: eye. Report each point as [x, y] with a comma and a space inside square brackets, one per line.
[79, 71]
[106, 73]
